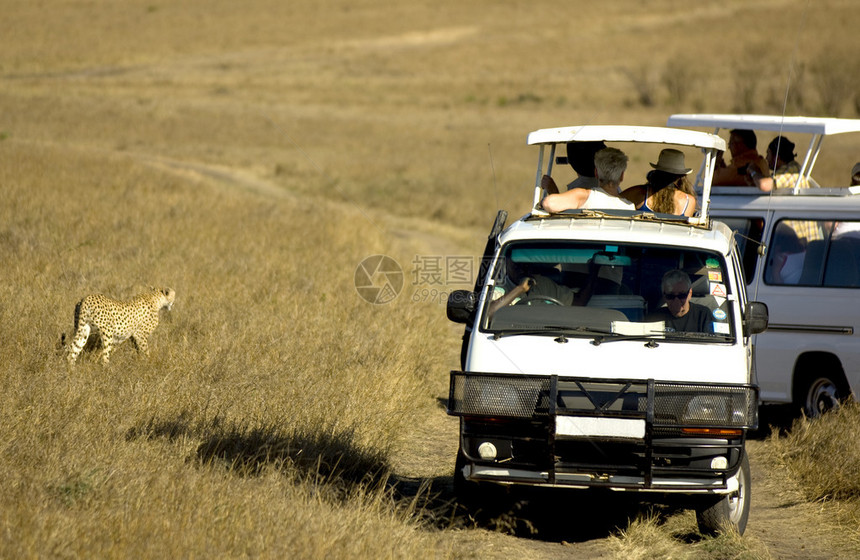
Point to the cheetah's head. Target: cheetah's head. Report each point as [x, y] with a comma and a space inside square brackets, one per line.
[167, 297]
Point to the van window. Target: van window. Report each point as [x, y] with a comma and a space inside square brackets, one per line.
[748, 234]
[786, 254]
[587, 288]
[814, 253]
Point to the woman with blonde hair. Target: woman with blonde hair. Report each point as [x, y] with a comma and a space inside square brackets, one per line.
[668, 191]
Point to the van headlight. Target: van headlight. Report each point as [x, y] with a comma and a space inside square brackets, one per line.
[710, 409]
[480, 394]
[707, 406]
[497, 399]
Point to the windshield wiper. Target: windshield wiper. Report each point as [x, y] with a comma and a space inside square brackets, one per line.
[651, 338]
[688, 335]
[549, 330]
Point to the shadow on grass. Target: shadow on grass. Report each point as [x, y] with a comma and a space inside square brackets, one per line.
[339, 466]
[545, 514]
[324, 457]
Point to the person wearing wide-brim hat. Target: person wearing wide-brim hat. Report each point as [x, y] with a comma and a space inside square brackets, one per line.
[671, 161]
[667, 190]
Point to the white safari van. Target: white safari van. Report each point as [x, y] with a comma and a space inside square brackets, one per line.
[582, 381]
[801, 256]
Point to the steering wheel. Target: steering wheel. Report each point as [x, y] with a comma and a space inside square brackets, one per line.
[539, 298]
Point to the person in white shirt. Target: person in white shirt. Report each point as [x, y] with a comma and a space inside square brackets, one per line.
[785, 256]
[609, 167]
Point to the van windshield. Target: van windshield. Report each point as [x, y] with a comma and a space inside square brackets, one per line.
[591, 289]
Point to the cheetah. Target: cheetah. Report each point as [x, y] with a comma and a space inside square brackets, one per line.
[117, 321]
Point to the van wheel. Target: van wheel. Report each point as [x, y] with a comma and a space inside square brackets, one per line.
[822, 395]
[732, 510]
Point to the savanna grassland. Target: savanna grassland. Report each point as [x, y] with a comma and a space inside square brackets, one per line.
[250, 155]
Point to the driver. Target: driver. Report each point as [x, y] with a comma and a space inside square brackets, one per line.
[680, 314]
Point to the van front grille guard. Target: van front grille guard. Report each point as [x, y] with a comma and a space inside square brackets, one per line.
[648, 424]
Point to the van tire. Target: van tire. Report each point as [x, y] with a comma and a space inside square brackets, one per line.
[732, 510]
[819, 383]
[822, 395]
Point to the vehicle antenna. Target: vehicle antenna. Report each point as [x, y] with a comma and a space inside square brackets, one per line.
[788, 80]
[493, 169]
[763, 247]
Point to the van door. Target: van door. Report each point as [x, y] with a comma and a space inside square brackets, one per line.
[809, 276]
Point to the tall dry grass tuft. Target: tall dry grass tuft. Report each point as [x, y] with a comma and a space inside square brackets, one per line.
[819, 458]
[652, 536]
[644, 538]
[679, 76]
[644, 84]
[822, 455]
[836, 80]
[747, 82]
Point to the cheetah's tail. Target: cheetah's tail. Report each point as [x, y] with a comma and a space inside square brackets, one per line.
[62, 346]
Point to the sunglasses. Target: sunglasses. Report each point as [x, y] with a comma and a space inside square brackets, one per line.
[682, 295]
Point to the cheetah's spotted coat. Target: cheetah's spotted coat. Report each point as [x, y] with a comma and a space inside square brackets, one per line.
[116, 321]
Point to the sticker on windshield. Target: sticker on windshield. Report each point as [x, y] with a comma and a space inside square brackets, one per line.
[721, 328]
[712, 263]
[715, 275]
[718, 290]
[719, 315]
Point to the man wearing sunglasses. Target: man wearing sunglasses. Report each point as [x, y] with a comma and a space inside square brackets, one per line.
[680, 314]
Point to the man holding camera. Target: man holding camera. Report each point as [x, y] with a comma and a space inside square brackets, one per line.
[745, 158]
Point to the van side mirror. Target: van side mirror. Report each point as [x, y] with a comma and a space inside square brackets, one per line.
[755, 318]
[461, 306]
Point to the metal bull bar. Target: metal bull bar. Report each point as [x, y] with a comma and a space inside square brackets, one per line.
[625, 433]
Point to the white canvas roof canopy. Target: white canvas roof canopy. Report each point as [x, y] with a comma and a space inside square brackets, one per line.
[710, 144]
[818, 127]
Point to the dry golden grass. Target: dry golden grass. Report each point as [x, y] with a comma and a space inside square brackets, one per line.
[820, 457]
[677, 537]
[249, 155]
[263, 422]
[644, 538]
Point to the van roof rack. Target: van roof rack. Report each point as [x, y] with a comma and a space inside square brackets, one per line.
[818, 127]
[710, 144]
